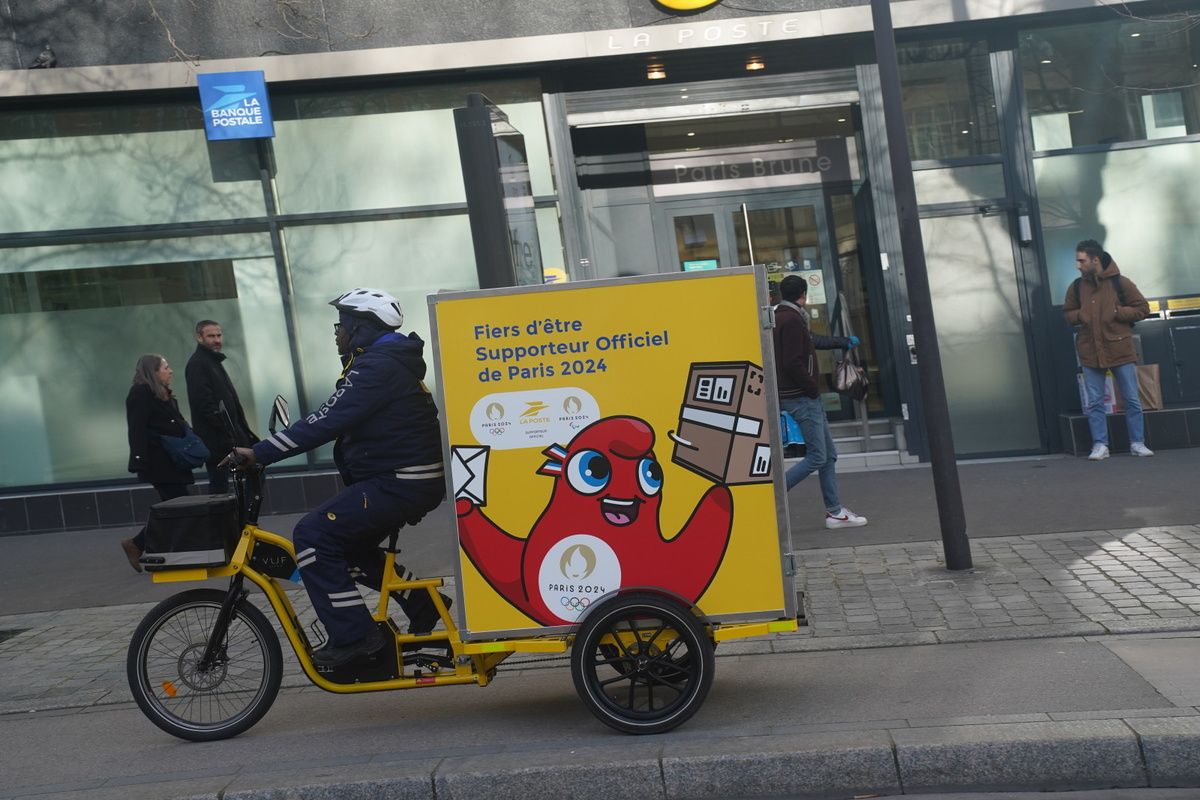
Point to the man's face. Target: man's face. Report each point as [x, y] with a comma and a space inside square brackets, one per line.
[801, 300]
[210, 337]
[341, 337]
[1087, 265]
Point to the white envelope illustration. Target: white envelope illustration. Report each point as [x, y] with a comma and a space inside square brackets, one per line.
[468, 467]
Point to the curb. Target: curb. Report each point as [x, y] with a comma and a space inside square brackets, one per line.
[1033, 756]
[781, 644]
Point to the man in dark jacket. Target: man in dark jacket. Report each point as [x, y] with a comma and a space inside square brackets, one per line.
[208, 386]
[388, 450]
[1103, 305]
[800, 395]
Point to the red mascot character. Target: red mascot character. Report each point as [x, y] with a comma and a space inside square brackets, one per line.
[600, 530]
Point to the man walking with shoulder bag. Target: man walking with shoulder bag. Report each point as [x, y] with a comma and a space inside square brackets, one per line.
[799, 395]
[1103, 305]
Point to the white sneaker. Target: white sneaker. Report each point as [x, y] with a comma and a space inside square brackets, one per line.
[1140, 449]
[1099, 452]
[844, 518]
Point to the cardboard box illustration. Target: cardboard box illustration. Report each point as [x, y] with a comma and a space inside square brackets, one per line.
[722, 431]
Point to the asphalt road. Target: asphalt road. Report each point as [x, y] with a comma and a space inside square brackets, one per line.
[535, 716]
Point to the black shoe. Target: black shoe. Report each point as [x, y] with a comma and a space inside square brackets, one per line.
[422, 613]
[330, 656]
[132, 553]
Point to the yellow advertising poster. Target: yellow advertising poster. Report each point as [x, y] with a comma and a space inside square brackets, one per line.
[609, 435]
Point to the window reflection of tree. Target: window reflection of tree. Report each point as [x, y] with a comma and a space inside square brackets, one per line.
[948, 99]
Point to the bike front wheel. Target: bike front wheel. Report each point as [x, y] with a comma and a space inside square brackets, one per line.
[204, 703]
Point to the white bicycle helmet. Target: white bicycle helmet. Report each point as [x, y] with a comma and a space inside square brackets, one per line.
[371, 304]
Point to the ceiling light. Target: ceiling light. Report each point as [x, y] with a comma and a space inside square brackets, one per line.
[755, 63]
[683, 97]
[1134, 35]
[964, 131]
[841, 119]
[691, 133]
[1047, 61]
[655, 71]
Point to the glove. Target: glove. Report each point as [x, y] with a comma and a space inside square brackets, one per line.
[854, 342]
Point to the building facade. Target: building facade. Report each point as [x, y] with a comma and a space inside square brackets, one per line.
[656, 142]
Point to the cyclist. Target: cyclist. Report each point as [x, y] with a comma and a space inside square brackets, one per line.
[388, 450]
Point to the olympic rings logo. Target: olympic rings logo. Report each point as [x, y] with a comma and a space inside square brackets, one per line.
[575, 603]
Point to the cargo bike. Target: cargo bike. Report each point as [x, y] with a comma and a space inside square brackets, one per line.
[634, 585]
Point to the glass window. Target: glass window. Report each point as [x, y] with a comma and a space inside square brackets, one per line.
[1119, 80]
[115, 287]
[981, 335]
[390, 148]
[63, 386]
[786, 238]
[1142, 203]
[120, 165]
[622, 239]
[554, 259]
[696, 242]
[959, 184]
[411, 258]
[949, 106]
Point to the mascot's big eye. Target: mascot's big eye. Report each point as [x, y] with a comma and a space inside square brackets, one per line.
[588, 471]
[650, 476]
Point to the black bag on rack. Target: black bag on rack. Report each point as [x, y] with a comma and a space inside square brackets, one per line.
[192, 531]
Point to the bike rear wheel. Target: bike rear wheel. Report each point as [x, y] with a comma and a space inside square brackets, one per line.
[642, 663]
[223, 700]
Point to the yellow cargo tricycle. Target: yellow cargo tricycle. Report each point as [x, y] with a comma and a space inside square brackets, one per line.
[576, 531]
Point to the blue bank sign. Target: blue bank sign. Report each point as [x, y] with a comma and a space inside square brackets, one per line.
[235, 105]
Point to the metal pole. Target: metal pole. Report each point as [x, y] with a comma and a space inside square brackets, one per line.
[929, 362]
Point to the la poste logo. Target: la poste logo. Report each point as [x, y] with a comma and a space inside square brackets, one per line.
[235, 105]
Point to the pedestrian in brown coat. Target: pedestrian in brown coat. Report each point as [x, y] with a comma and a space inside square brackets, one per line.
[1103, 305]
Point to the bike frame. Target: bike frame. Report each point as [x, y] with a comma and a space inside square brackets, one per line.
[473, 663]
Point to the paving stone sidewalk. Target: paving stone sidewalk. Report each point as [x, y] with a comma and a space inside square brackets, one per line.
[1095, 582]
[1075, 584]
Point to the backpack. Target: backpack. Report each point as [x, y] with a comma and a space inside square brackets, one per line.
[1116, 282]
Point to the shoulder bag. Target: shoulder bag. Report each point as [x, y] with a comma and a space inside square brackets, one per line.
[187, 451]
[849, 378]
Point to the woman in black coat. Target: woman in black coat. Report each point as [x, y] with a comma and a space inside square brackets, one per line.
[151, 412]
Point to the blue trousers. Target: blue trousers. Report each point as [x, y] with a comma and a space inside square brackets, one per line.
[820, 454]
[344, 533]
[1125, 377]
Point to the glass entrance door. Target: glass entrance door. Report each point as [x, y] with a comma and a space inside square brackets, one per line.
[791, 236]
[698, 240]
[812, 234]
[786, 237]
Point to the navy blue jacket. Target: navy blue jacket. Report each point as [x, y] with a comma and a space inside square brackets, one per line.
[381, 414]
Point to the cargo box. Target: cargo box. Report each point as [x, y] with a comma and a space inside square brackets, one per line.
[192, 531]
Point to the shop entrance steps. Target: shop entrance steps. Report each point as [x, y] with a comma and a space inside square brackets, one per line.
[884, 446]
